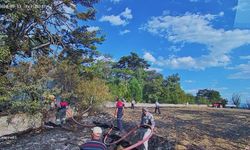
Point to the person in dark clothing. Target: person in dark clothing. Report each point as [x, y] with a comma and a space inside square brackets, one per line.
[157, 107]
[119, 111]
[133, 104]
[64, 106]
[95, 142]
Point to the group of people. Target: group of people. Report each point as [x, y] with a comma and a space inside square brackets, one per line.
[57, 109]
[146, 125]
[157, 106]
[147, 120]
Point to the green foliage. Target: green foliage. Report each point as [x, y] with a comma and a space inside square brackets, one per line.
[91, 91]
[152, 86]
[62, 61]
[5, 58]
[135, 90]
[190, 98]
[224, 102]
[127, 66]
[4, 54]
[30, 33]
[132, 62]
[30, 30]
[120, 89]
[66, 77]
[172, 92]
[98, 69]
[201, 100]
[28, 106]
[210, 95]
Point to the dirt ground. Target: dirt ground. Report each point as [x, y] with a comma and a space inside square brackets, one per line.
[199, 128]
[183, 128]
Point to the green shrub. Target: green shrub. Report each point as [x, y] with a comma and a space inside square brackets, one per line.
[27, 106]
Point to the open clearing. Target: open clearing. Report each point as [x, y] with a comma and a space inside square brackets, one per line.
[199, 128]
[193, 128]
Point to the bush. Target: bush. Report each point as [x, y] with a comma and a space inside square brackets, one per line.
[27, 106]
[92, 91]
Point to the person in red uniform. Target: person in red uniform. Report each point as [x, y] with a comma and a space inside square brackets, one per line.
[119, 112]
[62, 109]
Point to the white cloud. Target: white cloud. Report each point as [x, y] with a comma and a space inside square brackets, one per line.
[221, 13]
[243, 71]
[114, 20]
[154, 68]
[245, 57]
[93, 28]
[115, 1]
[195, 28]
[104, 58]
[121, 19]
[173, 62]
[127, 14]
[189, 81]
[148, 57]
[124, 32]
[176, 48]
[220, 88]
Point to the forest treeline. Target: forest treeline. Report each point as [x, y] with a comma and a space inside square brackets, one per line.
[49, 49]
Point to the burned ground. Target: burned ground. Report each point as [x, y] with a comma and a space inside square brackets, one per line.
[176, 128]
[213, 128]
[201, 128]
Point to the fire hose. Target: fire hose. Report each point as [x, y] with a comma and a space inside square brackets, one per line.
[123, 137]
[84, 125]
[127, 134]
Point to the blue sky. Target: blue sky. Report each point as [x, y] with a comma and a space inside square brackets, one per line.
[205, 41]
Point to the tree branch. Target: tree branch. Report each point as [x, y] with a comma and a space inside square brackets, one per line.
[40, 46]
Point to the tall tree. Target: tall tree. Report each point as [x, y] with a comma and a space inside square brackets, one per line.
[172, 91]
[132, 62]
[209, 95]
[236, 99]
[152, 87]
[32, 30]
[135, 90]
[127, 65]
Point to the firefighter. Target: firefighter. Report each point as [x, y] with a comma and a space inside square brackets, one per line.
[119, 112]
[147, 120]
[61, 112]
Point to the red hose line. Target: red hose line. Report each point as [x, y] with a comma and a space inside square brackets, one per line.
[126, 135]
[123, 137]
[140, 142]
